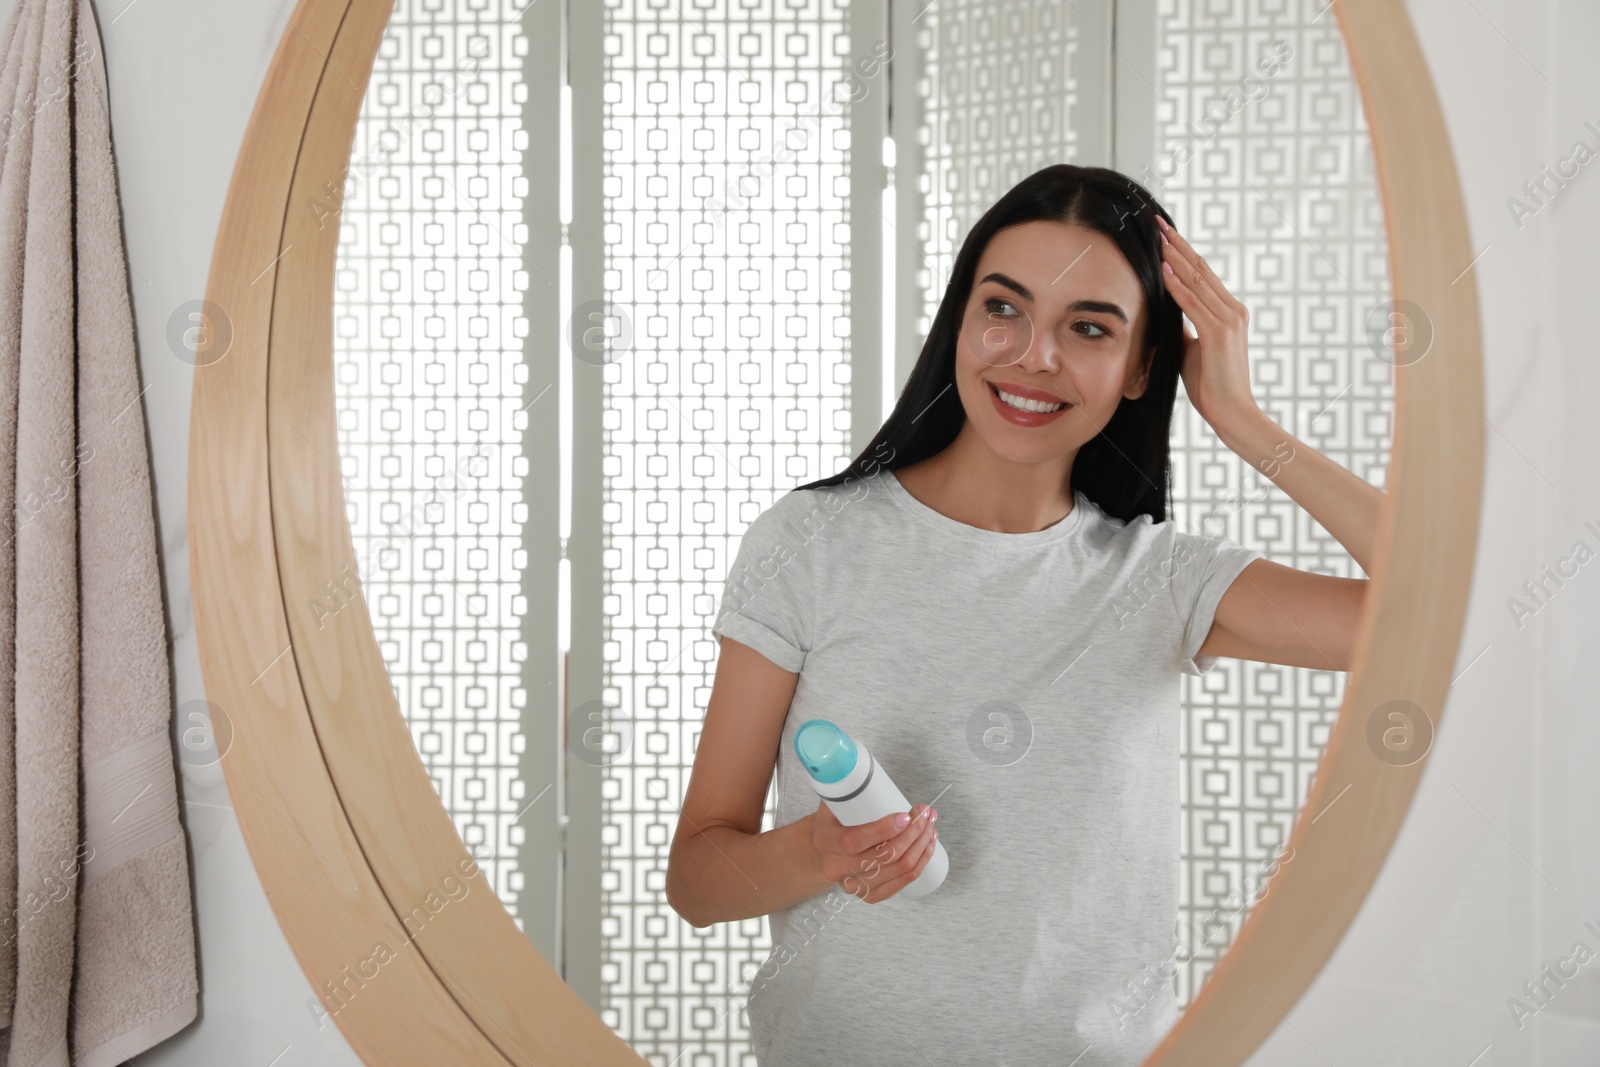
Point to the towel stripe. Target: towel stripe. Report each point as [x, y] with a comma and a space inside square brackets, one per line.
[57, 1056]
[130, 804]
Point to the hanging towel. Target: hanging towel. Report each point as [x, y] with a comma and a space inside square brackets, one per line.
[97, 952]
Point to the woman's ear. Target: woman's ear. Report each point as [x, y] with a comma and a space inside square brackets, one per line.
[1137, 387]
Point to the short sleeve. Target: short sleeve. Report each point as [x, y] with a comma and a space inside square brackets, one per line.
[1203, 568]
[767, 598]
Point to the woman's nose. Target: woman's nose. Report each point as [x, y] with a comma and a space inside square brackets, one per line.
[1043, 354]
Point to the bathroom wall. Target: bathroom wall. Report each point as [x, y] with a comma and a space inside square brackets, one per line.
[1495, 872]
[183, 78]
[1497, 867]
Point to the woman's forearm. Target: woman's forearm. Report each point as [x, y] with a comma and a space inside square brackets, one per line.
[1344, 503]
[722, 874]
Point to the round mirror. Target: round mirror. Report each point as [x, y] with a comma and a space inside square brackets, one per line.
[589, 291]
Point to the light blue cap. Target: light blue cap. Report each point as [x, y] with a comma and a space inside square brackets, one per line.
[826, 752]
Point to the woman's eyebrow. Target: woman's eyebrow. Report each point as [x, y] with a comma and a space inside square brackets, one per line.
[1077, 305]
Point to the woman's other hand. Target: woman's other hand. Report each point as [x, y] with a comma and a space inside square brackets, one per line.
[875, 860]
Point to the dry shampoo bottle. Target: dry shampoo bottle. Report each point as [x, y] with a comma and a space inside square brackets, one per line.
[858, 790]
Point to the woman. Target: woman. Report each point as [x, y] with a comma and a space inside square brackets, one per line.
[992, 599]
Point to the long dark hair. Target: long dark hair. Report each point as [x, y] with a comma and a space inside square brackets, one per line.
[1124, 469]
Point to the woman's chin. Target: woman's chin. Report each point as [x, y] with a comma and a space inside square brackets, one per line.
[1015, 445]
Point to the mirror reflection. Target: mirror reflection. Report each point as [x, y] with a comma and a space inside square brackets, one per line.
[703, 375]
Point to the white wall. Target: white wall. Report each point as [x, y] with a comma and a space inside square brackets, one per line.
[183, 78]
[1461, 915]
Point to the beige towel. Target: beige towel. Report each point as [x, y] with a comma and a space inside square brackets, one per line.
[21, 36]
[99, 956]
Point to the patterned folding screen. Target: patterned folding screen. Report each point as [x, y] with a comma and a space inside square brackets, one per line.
[429, 338]
[999, 101]
[728, 250]
[1266, 165]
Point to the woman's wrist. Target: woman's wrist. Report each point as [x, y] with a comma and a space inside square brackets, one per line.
[1251, 434]
[815, 875]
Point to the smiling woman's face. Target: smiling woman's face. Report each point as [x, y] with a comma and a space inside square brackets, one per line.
[1065, 294]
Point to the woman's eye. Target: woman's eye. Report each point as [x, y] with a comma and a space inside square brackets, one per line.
[1094, 336]
[994, 303]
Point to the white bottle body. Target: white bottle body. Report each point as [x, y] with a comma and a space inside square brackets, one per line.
[868, 793]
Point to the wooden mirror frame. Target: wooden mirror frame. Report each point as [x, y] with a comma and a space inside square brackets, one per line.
[342, 821]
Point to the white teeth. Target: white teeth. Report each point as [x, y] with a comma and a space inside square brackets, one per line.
[1026, 405]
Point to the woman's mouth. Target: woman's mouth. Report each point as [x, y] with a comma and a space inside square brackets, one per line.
[1022, 412]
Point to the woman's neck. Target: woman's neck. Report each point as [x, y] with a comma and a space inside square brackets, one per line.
[974, 486]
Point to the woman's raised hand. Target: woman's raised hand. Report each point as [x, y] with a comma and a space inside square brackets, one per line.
[875, 860]
[1216, 372]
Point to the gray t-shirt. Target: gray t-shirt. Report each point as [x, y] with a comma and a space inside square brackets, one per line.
[1029, 682]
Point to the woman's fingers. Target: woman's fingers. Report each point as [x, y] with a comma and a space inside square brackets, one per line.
[868, 836]
[1186, 298]
[1191, 268]
[867, 840]
[1189, 285]
[921, 826]
[914, 864]
[891, 860]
